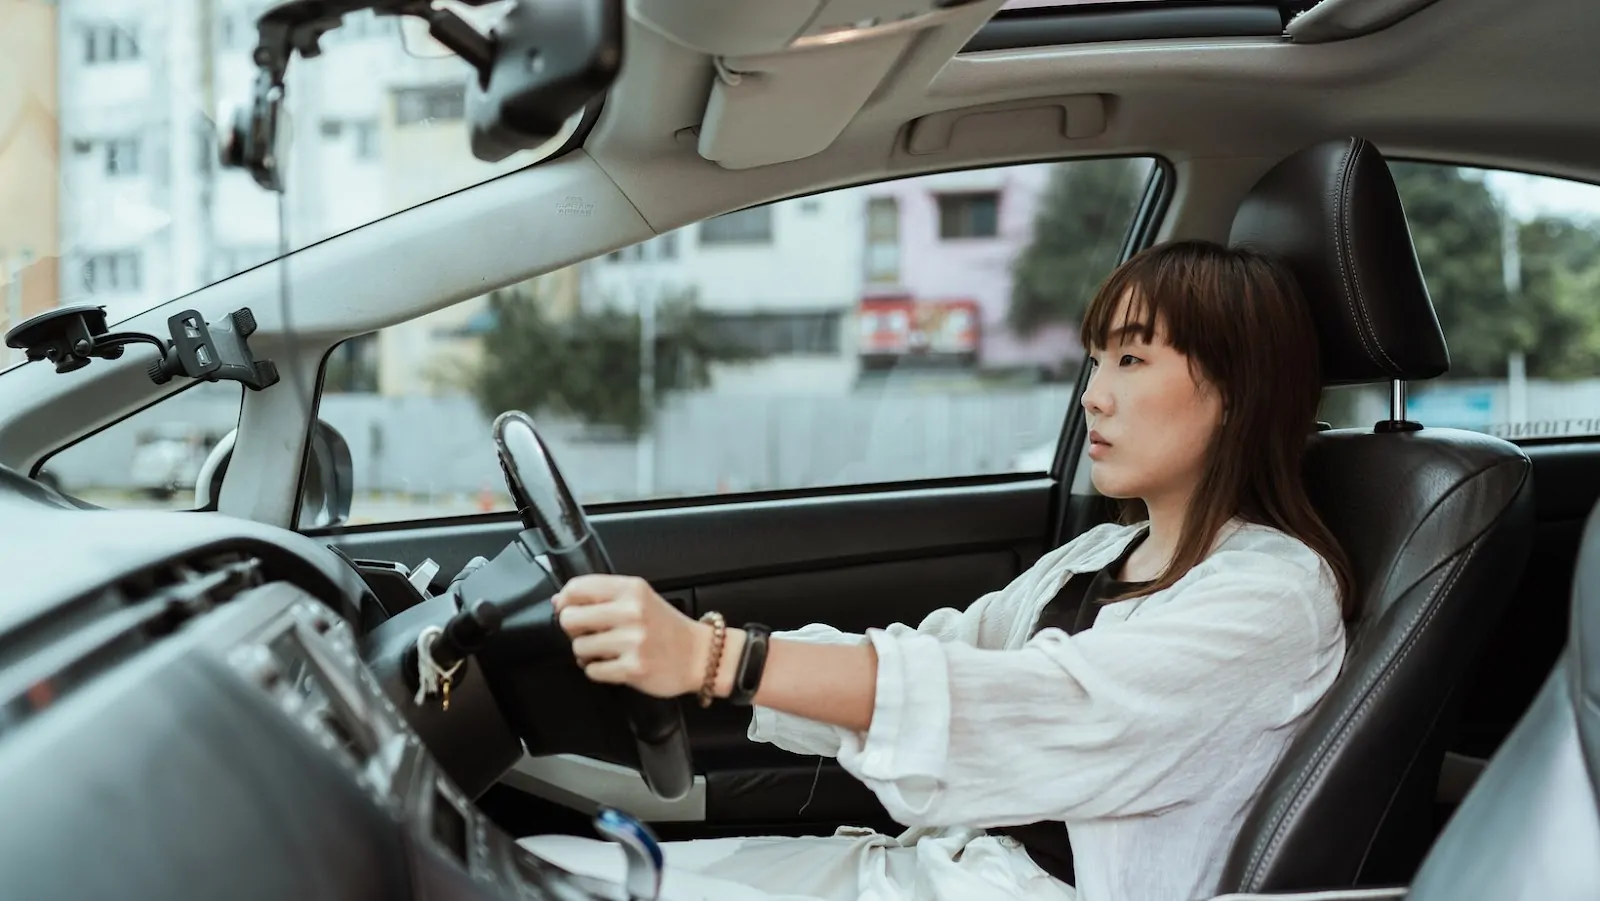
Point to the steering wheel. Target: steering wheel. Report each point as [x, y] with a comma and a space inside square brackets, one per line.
[548, 509]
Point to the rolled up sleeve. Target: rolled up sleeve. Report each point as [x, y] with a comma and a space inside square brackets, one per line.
[905, 750]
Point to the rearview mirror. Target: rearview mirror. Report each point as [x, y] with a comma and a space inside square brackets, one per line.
[325, 492]
[552, 58]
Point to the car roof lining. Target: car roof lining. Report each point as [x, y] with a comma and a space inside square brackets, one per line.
[1485, 82]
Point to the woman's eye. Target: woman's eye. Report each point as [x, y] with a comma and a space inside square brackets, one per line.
[1129, 360]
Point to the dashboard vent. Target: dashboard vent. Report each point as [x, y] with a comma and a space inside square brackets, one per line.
[46, 658]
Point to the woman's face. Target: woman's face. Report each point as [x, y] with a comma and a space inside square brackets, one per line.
[1150, 417]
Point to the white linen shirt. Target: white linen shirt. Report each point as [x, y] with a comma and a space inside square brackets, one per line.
[1148, 734]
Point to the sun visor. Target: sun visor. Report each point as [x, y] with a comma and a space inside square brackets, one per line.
[1336, 20]
[791, 75]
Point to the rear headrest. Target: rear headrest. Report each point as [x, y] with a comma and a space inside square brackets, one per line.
[1332, 213]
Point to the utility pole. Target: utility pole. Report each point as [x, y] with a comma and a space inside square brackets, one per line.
[1511, 277]
[645, 459]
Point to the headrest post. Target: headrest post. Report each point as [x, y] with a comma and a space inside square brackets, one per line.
[1397, 421]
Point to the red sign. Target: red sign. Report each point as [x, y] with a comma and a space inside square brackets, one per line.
[900, 327]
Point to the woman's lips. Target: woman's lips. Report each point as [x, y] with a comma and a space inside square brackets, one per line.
[1098, 445]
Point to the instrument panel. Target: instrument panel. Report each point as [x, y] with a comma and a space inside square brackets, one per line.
[242, 751]
[307, 662]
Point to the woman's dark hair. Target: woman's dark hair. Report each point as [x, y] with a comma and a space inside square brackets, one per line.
[1239, 316]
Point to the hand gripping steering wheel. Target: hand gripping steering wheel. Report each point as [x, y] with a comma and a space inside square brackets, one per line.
[573, 549]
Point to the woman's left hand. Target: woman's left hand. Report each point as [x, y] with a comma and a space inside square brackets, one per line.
[624, 633]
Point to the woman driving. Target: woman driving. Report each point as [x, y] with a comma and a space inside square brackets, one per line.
[1098, 728]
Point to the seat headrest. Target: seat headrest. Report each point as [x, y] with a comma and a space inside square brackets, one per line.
[1332, 213]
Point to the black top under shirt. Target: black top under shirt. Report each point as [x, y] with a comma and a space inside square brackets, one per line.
[1072, 610]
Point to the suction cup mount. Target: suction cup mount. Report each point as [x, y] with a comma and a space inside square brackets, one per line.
[71, 336]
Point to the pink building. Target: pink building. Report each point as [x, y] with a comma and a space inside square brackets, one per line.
[952, 237]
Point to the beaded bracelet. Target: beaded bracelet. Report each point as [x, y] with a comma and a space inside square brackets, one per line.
[719, 634]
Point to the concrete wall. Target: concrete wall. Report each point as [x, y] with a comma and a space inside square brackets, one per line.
[429, 447]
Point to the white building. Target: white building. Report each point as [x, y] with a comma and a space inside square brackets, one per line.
[783, 280]
[147, 87]
[375, 126]
[808, 282]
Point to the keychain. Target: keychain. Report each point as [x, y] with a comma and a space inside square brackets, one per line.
[432, 678]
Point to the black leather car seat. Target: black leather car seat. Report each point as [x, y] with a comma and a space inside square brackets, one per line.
[1438, 524]
[1530, 826]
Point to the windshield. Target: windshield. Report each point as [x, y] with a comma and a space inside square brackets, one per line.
[110, 112]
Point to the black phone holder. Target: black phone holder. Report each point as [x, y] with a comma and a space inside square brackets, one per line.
[71, 336]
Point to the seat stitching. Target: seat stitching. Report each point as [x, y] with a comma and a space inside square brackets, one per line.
[1361, 300]
[1339, 251]
[1275, 837]
[1325, 760]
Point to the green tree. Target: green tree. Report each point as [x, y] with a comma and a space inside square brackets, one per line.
[1455, 225]
[1558, 301]
[1078, 233]
[587, 365]
[1458, 230]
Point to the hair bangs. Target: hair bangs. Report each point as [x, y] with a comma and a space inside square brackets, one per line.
[1149, 293]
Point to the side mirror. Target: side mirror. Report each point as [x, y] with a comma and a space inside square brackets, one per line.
[326, 490]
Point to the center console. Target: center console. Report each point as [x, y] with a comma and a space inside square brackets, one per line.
[306, 662]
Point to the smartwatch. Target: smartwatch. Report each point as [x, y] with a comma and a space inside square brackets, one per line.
[752, 660]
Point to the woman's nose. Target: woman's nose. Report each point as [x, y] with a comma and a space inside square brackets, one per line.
[1096, 399]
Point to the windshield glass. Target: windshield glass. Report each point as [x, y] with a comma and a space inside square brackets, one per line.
[110, 115]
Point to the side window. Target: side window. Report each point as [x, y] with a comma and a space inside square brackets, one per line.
[916, 329]
[1512, 263]
[152, 458]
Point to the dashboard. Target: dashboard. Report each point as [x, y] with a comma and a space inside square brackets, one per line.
[185, 713]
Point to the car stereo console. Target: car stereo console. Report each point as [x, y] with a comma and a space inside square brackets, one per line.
[305, 658]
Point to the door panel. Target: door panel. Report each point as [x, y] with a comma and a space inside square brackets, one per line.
[854, 561]
[684, 546]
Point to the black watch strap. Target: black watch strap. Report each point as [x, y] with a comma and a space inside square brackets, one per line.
[752, 661]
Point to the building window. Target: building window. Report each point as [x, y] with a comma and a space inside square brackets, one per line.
[366, 139]
[752, 226]
[363, 132]
[352, 367]
[109, 44]
[108, 272]
[767, 334]
[883, 240]
[122, 156]
[969, 215]
[432, 103]
[667, 246]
